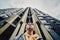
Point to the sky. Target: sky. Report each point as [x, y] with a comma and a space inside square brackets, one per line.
[51, 7]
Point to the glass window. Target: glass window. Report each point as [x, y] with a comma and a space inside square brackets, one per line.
[2, 23]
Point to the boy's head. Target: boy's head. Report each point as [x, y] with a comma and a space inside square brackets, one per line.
[30, 27]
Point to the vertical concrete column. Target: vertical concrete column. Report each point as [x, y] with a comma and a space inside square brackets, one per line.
[46, 34]
[22, 29]
[35, 25]
[25, 16]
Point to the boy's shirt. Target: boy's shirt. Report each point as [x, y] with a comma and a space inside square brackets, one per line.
[30, 37]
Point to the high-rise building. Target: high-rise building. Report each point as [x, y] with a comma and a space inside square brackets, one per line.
[13, 21]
